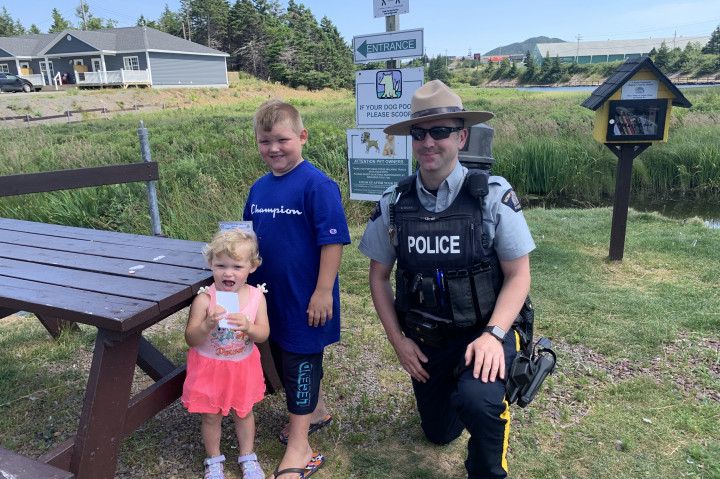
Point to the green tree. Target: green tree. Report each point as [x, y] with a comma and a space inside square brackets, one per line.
[339, 57]
[8, 26]
[209, 20]
[713, 45]
[528, 76]
[662, 57]
[143, 22]
[545, 67]
[33, 29]
[688, 60]
[59, 23]
[170, 22]
[438, 70]
[247, 39]
[502, 69]
[87, 21]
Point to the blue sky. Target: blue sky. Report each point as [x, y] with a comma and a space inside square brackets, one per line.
[450, 27]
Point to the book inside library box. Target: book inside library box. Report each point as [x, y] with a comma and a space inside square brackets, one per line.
[642, 120]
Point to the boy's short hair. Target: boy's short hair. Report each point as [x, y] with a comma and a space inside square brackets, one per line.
[277, 111]
[230, 243]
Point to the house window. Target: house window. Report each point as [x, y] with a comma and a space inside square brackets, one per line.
[131, 63]
[4, 68]
[97, 64]
[78, 61]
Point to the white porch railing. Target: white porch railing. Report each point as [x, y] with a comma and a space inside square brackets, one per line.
[36, 79]
[115, 77]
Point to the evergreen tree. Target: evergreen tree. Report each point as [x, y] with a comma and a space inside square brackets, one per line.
[170, 22]
[437, 69]
[340, 57]
[90, 22]
[142, 22]
[59, 23]
[34, 29]
[713, 45]
[688, 60]
[545, 67]
[528, 76]
[662, 58]
[247, 41]
[8, 26]
[209, 19]
[513, 71]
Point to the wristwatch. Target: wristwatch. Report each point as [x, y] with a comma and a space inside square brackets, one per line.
[496, 331]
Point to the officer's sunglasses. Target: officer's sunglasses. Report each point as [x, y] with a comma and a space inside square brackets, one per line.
[436, 132]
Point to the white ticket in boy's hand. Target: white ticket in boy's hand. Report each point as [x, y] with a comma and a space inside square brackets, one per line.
[231, 303]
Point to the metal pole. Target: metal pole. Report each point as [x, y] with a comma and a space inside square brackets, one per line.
[151, 193]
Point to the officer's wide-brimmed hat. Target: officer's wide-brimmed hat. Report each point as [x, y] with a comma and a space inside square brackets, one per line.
[434, 101]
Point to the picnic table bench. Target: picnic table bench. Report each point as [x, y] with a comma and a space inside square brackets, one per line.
[119, 283]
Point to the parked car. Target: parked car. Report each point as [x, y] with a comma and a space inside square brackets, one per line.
[9, 82]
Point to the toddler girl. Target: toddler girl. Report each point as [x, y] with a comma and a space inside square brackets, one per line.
[224, 373]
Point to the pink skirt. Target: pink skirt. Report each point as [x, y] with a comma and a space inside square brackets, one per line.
[216, 386]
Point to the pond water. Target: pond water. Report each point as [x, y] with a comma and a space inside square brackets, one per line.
[680, 209]
[592, 88]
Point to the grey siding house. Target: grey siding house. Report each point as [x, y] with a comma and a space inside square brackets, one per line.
[114, 56]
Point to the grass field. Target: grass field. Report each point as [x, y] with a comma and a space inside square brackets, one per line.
[637, 389]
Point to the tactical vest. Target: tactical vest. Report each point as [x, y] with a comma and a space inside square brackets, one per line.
[445, 266]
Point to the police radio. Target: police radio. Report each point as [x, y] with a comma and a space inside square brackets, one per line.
[532, 363]
[528, 371]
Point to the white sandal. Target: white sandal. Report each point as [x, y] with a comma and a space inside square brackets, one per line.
[251, 467]
[214, 467]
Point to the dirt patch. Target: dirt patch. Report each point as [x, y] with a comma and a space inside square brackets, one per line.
[57, 103]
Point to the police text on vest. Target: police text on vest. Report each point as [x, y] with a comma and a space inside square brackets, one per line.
[434, 244]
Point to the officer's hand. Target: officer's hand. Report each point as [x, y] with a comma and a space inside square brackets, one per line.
[411, 359]
[489, 358]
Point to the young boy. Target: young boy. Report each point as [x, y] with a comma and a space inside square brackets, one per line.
[298, 217]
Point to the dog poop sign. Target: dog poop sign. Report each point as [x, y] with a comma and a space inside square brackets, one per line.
[383, 96]
[376, 161]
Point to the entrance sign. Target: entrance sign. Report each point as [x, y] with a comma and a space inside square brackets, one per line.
[376, 161]
[385, 8]
[388, 45]
[383, 96]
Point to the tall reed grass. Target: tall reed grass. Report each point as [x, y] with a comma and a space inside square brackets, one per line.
[208, 158]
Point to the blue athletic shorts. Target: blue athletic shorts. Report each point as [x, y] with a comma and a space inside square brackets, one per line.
[301, 375]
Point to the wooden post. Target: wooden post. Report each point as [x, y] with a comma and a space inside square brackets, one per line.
[626, 153]
[392, 23]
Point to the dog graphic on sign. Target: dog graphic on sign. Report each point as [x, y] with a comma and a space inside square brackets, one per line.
[388, 84]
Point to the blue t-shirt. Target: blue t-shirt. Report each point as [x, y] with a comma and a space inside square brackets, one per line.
[294, 215]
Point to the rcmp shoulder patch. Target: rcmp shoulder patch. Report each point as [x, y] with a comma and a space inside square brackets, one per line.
[376, 212]
[510, 199]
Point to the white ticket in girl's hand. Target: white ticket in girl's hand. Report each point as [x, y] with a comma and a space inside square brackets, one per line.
[230, 302]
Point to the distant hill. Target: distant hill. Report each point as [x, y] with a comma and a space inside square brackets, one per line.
[522, 47]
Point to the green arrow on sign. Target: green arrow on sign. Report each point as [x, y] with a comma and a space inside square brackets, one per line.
[362, 49]
[386, 47]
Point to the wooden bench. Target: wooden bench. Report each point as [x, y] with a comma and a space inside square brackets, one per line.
[17, 466]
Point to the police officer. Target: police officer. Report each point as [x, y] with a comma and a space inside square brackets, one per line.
[461, 244]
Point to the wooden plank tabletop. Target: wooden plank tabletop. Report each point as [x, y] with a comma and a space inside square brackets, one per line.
[115, 281]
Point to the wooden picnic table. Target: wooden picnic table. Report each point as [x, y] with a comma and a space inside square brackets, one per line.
[122, 284]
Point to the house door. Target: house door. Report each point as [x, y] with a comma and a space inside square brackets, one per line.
[96, 64]
[48, 71]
